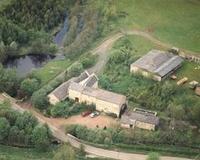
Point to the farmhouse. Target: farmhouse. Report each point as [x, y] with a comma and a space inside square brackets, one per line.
[105, 101]
[61, 92]
[140, 118]
[156, 64]
[84, 89]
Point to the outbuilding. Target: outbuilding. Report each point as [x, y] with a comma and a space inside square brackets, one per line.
[140, 118]
[156, 64]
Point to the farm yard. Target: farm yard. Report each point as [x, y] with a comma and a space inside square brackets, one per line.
[105, 38]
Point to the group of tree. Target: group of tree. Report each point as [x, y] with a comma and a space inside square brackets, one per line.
[22, 129]
[178, 137]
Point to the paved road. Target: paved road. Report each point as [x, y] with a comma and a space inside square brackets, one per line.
[59, 134]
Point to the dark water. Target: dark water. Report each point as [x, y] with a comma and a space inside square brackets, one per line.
[25, 64]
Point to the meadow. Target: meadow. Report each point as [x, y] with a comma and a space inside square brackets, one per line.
[14, 153]
[172, 21]
[51, 70]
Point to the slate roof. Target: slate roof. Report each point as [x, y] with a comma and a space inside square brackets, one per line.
[61, 92]
[131, 117]
[91, 80]
[158, 62]
[99, 93]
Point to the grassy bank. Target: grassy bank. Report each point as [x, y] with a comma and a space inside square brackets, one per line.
[51, 70]
[146, 149]
[14, 153]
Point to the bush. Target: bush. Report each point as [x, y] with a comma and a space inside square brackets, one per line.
[41, 137]
[61, 109]
[69, 108]
[88, 60]
[40, 100]
[28, 86]
[153, 156]
[75, 69]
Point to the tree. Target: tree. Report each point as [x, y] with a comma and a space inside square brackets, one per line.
[153, 156]
[41, 137]
[2, 52]
[8, 80]
[28, 86]
[39, 99]
[65, 153]
[4, 128]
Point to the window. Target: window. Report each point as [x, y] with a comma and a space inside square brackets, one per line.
[76, 99]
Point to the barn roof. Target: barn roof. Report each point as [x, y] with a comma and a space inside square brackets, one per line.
[158, 62]
[91, 80]
[99, 93]
[131, 117]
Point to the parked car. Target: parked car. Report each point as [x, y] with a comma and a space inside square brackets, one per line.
[94, 114]
[86, 113]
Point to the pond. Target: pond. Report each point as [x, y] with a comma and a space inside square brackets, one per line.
[25, 64]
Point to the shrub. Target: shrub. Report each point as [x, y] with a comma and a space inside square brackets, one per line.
[61, 109]
[40, 100]
[153, 156]
[88, 60]
[75, 69]
[28, 86]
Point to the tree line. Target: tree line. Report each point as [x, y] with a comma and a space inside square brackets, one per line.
[22, 129]
[116, 136]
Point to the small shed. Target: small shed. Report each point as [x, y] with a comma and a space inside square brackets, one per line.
[140, 118]
[197, 90]
[193, 84]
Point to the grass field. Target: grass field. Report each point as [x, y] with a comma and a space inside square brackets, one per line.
[190, 70]
[172, 21]
[3, 3]
[50, 70]
[14, 153]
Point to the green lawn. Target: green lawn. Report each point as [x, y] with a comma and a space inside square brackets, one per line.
[176, 22]
[14, 153]
[190, 70]
[50, 70]
[4, 3]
